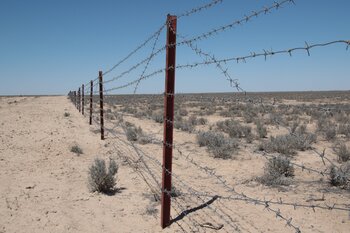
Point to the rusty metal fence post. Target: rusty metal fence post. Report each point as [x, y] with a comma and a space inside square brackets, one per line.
[91, 92]
[79, 103]
[82, 99]
[75, 98]
[101, 104]
[168, 119]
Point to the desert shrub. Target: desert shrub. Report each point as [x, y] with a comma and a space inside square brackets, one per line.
[151, 210]
[225, 113]
[209, 111]
[193, 120]
[275, 119]
[66, 114]
[158, 117]
[217, 144]
[234, 129]
[129, 110]
[301, 129]
[327, 128]
[206, 138]
[342, 118]
[175, 192]
[330, 132]
[100, 178]
[303, 141]
[110, 116]
[277, 171]
[261, 130]
[183, 112]
[280, 144]
[141, 114]
[294, 125]
[133, 133]
[142, 139]
[202, 121]
[248, 117]
[344, 129]
[249, 114]
[76, 149]
[342, 152]
[288, 144]
[340, 176]
[184, 125]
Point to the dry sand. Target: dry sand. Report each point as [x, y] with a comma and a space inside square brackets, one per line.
[43, 186]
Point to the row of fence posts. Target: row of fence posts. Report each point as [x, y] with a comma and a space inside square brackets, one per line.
[79, 101]
[77, 98]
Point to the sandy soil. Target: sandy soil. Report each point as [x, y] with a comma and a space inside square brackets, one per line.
[43, 186]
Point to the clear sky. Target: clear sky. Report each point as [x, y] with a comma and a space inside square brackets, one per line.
[53, 46]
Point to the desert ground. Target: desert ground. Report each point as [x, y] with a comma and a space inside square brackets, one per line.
[222, 187]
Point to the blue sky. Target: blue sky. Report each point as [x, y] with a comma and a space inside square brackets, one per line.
[51, 47]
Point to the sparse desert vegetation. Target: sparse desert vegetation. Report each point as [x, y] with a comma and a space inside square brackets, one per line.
[293, 151]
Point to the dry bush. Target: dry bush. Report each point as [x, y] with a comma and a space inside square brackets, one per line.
[277, 171]
[340, 176]
[100, 178]
[344, 129]
[76, 149]
[157, 117]
[217, 144]
[327, 128]
[249, 113]
[342, 152]
[288, 144]
[182, 112]
[134, 133]
[235, 130]
[261, 130]
[202, 121]
[342, 118]
[184, 125]
[275, 119]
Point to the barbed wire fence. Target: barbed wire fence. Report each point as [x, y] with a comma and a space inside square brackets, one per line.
[196, 208]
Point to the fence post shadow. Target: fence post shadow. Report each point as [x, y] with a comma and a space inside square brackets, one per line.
[188, 211]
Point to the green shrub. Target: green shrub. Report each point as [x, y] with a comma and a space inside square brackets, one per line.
[100, 178]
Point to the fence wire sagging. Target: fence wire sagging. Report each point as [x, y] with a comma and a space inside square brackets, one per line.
[198, 192]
